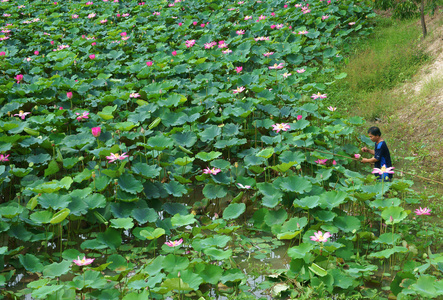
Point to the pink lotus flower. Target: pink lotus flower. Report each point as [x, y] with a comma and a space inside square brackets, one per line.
[273, 14]
[277, 66]
[320, 237]
[210, 45]
[285, 6]
[19, 78]
[115, 156]
[238, 90]
[272, 26]
[84, 115]
[194, 23]
[123, 34]
[321, 161]
[134, 95]
[36, 52]
[281, 126]
[299, 117]
[174, 243]
[267, 54]
[202, 25]
[238, 69]
[180, 24]
[262, 17]
[240, 32]
[332, 108]
[190, 43]
[357, 156]
[149, 63]
[352, 23]
[92, 56]
[74, 16]
[248, 18]
[69, 95]
[4, 157]
[93, 43]
[334, 162]
[96, 131]
[213, 171]
[52, 42]
[383, 170]
[174, 53]
[227, 51]
[222, 44]
[324, 17]
[303, 32]
[156, 13]
[318, 95]
[3, 53]
[243, 186]
[286, 75]
[299, 71]
[83, 262]
[22, 114]
[418, 212]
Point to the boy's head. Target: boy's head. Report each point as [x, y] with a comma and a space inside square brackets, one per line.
[374, 134]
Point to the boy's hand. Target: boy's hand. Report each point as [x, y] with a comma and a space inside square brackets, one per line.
[364, 149]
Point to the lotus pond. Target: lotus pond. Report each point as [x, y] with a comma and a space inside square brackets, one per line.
[187, 150]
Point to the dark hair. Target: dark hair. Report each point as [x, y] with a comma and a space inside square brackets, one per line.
[374, 131]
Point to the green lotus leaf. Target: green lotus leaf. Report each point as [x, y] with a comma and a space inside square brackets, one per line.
[144, 215]
[111, 237]
[57, 269]
[307, 202]
[130, 184]
[107, 112]
[182, 220]
[205, 156]
[332, 199]
[160, 142]
[41, 217]
[125, 223]
[276, 217]
[31, 263]
[388, 252]
[60, 216]
[174, 263]
[394, 214]
[300, 251]
[233, 211]
[145, 170]
[44, 291]
[347, 223]
[295, 184]
[151, 233]
[217, 254]
[209, 273]
[212, 191]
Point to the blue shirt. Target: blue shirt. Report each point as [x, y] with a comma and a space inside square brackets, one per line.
[382, 155]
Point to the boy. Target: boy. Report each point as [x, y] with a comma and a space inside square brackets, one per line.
[381, 152]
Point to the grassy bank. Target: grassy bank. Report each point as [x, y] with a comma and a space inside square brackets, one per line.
[390, 56]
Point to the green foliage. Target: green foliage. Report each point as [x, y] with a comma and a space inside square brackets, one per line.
[187, 153]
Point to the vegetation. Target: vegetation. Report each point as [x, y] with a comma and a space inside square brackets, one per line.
[161, 150]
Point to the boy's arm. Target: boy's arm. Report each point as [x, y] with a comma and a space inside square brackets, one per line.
[369, 160]
[365, 149]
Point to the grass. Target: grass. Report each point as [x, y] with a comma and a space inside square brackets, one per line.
[388, 57]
